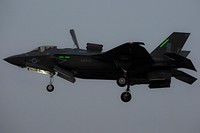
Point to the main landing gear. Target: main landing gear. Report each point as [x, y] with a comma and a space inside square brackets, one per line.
[50, 87]
[122, 82]
[126, 96]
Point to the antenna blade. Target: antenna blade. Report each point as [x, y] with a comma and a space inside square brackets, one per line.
[72, 32]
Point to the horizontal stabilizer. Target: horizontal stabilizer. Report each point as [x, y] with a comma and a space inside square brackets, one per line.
[183, 76]
[184, 53]
[67, 75]
[181, 61]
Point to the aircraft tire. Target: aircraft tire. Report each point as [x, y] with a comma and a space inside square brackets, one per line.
[126, 97]
[122, 81]
[50, 88]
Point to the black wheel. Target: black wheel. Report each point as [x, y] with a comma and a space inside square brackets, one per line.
[122, 81]
[126, 97]
[50, 88]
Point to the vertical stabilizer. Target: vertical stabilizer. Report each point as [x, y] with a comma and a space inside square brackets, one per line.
[174, 43]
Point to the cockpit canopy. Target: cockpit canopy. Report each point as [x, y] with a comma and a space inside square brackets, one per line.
[44, 48]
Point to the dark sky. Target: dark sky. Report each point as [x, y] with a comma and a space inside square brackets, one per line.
[90, 106]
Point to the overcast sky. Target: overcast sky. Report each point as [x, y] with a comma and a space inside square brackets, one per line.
[94, 106]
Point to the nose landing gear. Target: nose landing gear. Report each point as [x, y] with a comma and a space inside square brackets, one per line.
[50, 87]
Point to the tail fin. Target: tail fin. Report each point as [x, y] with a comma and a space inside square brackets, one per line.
[174, 43]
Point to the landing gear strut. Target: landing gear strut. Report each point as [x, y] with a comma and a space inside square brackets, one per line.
[50, 87]
[126, 96]
[123, 81]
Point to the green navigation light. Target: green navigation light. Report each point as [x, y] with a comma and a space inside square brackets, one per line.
[67, 57]
[164, 43]
[63, 57]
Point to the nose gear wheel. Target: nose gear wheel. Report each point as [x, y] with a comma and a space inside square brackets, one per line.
[50, 88]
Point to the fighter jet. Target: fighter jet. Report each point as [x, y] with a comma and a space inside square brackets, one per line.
[128, 64]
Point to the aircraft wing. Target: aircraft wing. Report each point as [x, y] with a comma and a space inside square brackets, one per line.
[126, 53]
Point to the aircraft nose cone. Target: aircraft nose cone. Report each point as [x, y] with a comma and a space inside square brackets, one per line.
[16, 60]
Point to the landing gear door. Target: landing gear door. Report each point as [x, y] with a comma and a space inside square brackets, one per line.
[65, 74]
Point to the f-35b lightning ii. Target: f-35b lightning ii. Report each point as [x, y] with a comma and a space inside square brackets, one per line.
[129, 64]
